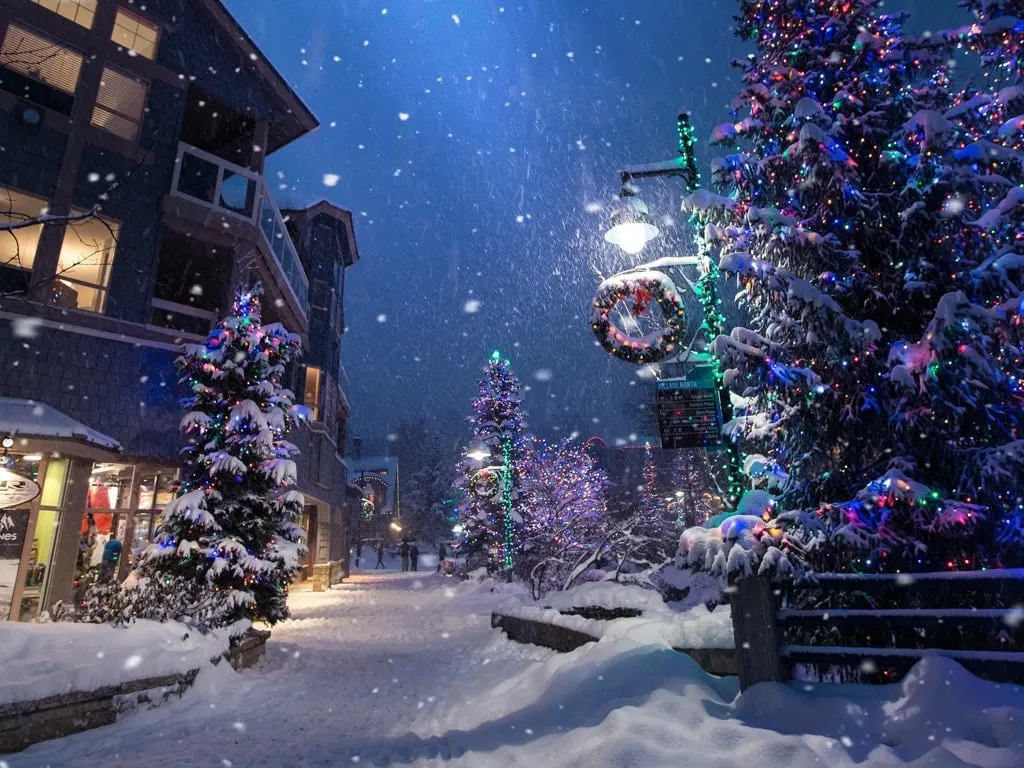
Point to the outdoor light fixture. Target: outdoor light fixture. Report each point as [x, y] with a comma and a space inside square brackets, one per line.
[478, 451]
[395, 526]
[457, 528]
[631, 225]
[8, 442]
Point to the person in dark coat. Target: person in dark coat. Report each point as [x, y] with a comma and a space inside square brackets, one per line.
[403, 550]
[442, 553]
[414, 556]
[111, 557]
[380, 555]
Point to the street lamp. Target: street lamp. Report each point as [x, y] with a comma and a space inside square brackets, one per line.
[631, 226]
[478, 451]
[631, 230]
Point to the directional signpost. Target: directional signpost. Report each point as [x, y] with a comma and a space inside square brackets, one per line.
[690, 411]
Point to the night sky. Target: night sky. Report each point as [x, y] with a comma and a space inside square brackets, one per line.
[477, 144]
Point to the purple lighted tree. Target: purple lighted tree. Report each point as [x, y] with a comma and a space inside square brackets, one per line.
[491, 475]
[564, 531]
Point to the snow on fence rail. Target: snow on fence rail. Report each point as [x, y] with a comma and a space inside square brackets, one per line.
[764, 627]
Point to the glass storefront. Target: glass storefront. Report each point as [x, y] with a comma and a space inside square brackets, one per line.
[51, 474]
[122, 515]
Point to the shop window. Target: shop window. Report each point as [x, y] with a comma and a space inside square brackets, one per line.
[120, 103]
[83, 270]
[135, 34]
[18, 246]
[82, 12]
[157, 488]
[109, 486]
[44, 534]
[41, 59]
[311, 392]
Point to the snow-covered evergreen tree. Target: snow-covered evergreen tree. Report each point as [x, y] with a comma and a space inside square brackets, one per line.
[231, 529]
[491, 482]
[870, 326]
[564, 531]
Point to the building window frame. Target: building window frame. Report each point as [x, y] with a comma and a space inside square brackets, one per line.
[64, 78]
[127, 33]
[312, 391]
[81, 12]
[112, 117]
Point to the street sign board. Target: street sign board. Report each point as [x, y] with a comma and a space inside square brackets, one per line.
[690, 411]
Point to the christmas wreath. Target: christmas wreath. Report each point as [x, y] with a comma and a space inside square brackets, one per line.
[642, 289]
[485, 484]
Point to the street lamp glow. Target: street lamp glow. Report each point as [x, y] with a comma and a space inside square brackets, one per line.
[457, 528]
[395, 526]
[631, 225]
[478, 451]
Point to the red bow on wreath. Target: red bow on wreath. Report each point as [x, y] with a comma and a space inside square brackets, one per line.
[642, 299]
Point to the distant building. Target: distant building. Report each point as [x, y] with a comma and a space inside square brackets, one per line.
[376, 477]
[162, 114]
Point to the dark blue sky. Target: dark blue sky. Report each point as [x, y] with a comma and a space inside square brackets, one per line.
[469, 138]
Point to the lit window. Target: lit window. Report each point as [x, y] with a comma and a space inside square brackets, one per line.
[18, 246]
[40, 59]
[82, 12]
[135, 34]
[311, 396]
[83, 270]
[120, 103]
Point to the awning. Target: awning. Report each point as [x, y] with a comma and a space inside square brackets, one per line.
[33, 419]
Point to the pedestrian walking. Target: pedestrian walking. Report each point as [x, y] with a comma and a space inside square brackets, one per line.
[380, 555]
[403, 550]
[414, 556]
[442, 553]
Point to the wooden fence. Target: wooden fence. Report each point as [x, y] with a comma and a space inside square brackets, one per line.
[875, 627]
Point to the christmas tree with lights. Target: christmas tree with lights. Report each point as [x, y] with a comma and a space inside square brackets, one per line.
[491, 475]
[230, 536]
[880, 373]
[564, 532]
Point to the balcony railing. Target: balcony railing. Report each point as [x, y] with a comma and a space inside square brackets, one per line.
[240, 193]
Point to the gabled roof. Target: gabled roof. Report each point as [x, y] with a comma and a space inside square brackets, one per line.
[295, 118]
[338, 214]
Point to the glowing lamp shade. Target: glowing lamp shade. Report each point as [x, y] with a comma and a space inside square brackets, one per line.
[478, 451]
[631, 226]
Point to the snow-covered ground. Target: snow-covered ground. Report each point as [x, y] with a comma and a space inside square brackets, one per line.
[40, 660]
[404, 669]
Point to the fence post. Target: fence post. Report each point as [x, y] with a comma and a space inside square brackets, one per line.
[753, 605]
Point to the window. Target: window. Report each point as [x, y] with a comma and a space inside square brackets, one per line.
[41, 59]
[82, 12]
[18, 246]
[119, 104]
[135, 34]
[311, 395]
[83, 269]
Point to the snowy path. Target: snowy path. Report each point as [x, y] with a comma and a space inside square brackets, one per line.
[404, 670]
[354, 668]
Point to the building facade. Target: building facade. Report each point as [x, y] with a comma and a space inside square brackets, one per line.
[133, 141]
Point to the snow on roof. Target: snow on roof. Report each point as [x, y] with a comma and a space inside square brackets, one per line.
[31, 418]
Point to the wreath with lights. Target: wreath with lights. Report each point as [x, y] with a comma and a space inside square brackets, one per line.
[485, 484]
[641, 290]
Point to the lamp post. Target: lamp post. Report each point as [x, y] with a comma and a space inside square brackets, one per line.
[631, 228]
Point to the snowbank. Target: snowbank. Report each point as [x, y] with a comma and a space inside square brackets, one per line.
[619, 704]
[606, 594]
[41, 660]
[695, 628]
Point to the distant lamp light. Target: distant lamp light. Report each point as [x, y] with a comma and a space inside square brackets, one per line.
[8, 442]
[478, 451]
[457, 528]
[395, 526]
[631, 226]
